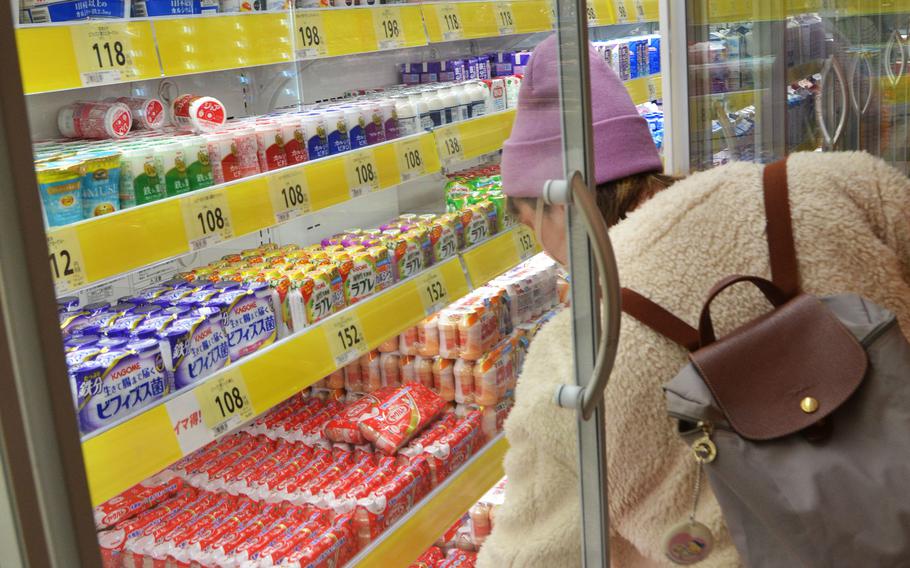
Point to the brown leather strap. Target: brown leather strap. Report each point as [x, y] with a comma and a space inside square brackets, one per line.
[784, 268]
[705, 326]
[659, 319]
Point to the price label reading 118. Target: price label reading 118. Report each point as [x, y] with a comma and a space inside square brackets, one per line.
[450, 22]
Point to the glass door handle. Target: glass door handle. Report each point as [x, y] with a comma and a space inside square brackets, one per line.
[895, 40]
[830, 64]
[864, 60]
[585, 399]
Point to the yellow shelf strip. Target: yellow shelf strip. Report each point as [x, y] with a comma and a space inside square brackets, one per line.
[410, 537]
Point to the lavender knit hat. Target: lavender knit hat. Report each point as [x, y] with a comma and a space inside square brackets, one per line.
[533, 153]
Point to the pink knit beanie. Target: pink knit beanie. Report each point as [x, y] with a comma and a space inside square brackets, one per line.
[533, 153]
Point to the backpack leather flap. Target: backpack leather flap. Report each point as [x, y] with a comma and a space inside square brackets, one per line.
[763, 374]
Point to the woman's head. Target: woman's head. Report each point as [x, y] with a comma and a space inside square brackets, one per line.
[624, 153]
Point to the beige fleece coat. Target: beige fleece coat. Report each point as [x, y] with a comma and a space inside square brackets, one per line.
[852, 227]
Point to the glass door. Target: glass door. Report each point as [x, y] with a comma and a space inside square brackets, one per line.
[769, 78]
[226, 225]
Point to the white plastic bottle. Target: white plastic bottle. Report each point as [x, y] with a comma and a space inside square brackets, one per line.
[478, 99]
[449, 104]
[408, 121]
[434, 108]
[424, 120]
[463, 110]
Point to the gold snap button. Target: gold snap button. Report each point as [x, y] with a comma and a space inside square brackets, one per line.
[808, 405]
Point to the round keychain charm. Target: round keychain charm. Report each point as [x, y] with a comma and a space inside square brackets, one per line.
[688, 543]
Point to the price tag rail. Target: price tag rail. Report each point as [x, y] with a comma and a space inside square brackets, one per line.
[56, 57]
[123, 454]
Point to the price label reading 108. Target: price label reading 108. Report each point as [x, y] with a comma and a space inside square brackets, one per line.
[293, 195]
[366, 174]
[229, 402]
[211, 220]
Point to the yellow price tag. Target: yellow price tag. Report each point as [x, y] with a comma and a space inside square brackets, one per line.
[652, 88]
[410, 162]
[433, 291]
[362, 172]
[104, 53]
[310, 35]
[505, 19]
[640, 10]
[389, 26]
[592, 14]
[525, 243]
[448, 142]
[345, 337]
[450, 22]
[67, 264]
[289, 194]
[207, 219]
[224, 401]
[622, 12]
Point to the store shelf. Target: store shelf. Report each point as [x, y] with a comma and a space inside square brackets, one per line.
[407, 539]
[103, 247]
[732, 11]
[645, 89]
[119, 457]
[452, 21]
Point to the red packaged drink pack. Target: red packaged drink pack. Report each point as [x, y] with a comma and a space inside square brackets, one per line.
[285, 534]
[334, 547]
[274, 469]
[435, 431]
[453, 449]
[379, 510]
[312, 480]
[136, 499]
[429, 559]
[343, 428]
[283, 452]
[265, 485]
[401, 416]
[459, 559]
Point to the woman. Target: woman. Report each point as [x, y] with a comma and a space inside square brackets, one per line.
[673, 241]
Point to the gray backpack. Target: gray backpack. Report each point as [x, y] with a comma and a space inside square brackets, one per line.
[801, 418]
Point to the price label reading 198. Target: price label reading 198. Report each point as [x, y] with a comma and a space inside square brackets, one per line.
[450, 22]
[622, 14]
[311, 38]
[389, 27]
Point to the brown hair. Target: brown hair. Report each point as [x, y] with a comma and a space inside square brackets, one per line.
[617, 198]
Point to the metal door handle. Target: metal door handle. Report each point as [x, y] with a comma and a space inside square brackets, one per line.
[855, 66]
[830, 64]
[585, 399]
[895, 40]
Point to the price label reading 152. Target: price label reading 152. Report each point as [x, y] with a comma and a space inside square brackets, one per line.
[346, 339]
[525, 243]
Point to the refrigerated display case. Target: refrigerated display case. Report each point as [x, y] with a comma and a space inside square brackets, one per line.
[765, 79]
[224, 221]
